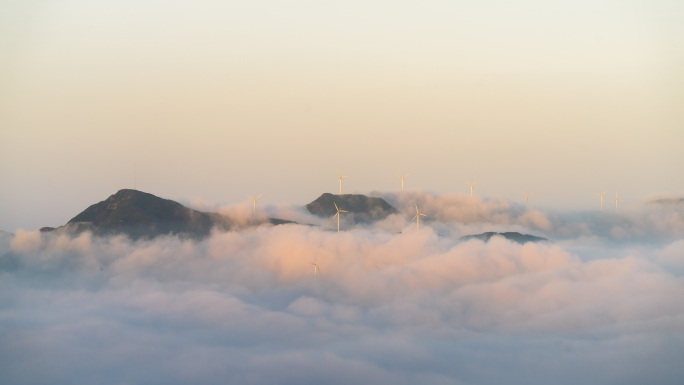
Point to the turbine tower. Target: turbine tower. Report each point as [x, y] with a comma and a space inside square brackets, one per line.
[471, 187]
[417, 218]
[616, 201]
[340, 179]
[255, 199]
[527, 196]
[402, 180]
[338, 216]
[601, 195]
[316, 269]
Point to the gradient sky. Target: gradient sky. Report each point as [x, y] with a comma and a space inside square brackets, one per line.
[215, 100]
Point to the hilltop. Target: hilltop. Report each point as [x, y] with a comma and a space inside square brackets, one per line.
[363, 208]
[511, 236]
[139, 214]
[142, 215]
[667, 201]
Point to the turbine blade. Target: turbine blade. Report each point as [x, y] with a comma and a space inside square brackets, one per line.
[259, 196]
[414, 217]
[344, 211]
[336, 215]
[336, 206]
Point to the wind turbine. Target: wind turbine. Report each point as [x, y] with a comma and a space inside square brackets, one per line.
[417, 218]
[527, 196]
[402, 180]
[616, 201]
[471, 187]
[340, 179]
[316, 269]
[255, 199]
[338, 215]
[601, 195]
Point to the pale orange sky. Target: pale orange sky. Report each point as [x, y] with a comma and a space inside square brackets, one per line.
[218, 100]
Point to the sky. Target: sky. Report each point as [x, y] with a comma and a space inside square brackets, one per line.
[216, 100]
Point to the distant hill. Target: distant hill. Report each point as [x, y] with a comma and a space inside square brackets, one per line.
[142, 215]
[667, 201]
[363, 208]
[277, 221]
[511, 236]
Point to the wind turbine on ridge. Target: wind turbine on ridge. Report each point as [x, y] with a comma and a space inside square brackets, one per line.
[471, 187]
[417, 218]
[338, 216]
[255, 204]
[402, 180]
[527, 196]
[316, 269]
[601, 195]
[340, 179]
[616, 201]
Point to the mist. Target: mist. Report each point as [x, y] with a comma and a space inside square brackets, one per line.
[600, 302]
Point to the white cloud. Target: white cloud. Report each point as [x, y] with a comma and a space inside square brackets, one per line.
[673, 255]
[406, 306]
[26, 241]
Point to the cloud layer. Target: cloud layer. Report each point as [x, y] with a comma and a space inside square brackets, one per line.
[391, 304]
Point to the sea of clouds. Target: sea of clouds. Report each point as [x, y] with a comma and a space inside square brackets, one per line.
[601, 303]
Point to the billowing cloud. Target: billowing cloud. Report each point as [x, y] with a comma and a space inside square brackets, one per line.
[26, 241]
[392, 304]
[458, 214]
[673, 255]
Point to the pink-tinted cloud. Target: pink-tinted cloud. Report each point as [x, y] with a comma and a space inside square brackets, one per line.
[386, 306]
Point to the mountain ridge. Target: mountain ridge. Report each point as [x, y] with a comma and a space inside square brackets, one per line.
[510, 235]
[138, 214]
[144, 215]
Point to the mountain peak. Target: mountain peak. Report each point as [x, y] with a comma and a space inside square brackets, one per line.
[365, 209]
[140, 214]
